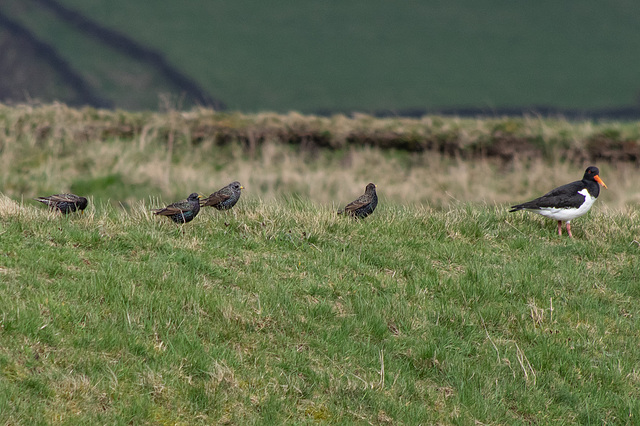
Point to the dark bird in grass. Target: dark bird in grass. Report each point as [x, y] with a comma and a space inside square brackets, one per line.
[66, 203]
[182, 211]
[568, 201]
[364, 205]
[225, 198]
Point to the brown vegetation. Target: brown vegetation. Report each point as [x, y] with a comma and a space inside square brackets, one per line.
[432, 160]
[503, 138]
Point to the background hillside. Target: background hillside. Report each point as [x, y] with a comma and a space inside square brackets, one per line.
[405, 57]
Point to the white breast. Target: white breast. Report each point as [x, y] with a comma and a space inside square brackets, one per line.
[567, 214]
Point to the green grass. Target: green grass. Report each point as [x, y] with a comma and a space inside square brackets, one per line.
[125, 81]
[283, 312]
[305, 56]
[439, 308]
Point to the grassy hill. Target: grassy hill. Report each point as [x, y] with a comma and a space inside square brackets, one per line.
[283, 312]
[441, 307]
[339, 55]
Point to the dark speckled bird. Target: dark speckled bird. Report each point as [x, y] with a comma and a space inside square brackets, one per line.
[224, 198]
[66, 203]
[182, 211]
[364, 205]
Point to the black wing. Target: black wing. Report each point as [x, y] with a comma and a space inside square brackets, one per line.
[215, 199]
[565, 196]
[362, 201]
[175, 208]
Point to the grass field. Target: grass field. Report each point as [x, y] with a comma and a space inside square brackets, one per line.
[440, 307]
[285, 312]
[348, 56]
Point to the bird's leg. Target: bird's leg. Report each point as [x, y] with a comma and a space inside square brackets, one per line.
[560, 228]
[569, 230]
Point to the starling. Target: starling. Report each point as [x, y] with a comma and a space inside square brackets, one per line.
[66, 203]
[182, 211]
[568, 201]
[364, 205]
[224, 198]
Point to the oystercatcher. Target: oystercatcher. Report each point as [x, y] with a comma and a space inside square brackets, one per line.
[568, 201]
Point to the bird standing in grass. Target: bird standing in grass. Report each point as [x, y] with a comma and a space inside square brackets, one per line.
[567, 202]
[364, 205]
[66, 203]
[182, 211]
[224, 198]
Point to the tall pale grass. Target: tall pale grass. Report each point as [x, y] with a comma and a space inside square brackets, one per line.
[43, 151]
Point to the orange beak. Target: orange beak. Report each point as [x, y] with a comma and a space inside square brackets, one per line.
[597, 178]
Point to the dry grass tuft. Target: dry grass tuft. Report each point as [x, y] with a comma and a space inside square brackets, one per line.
[8, 207]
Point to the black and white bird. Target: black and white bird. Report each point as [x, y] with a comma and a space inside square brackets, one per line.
[567, 202]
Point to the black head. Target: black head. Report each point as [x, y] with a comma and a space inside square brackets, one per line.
[82, 203]
[235, 186]
[593, 174]
[194, 197]
[371, 187]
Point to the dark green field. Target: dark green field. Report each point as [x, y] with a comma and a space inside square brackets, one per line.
[337, 55]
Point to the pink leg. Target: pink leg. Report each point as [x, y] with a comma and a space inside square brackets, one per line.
[560, 228]
[569, 230]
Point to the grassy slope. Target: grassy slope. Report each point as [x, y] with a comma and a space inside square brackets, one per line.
[281, 311]
[285, 312]
[343, 55]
